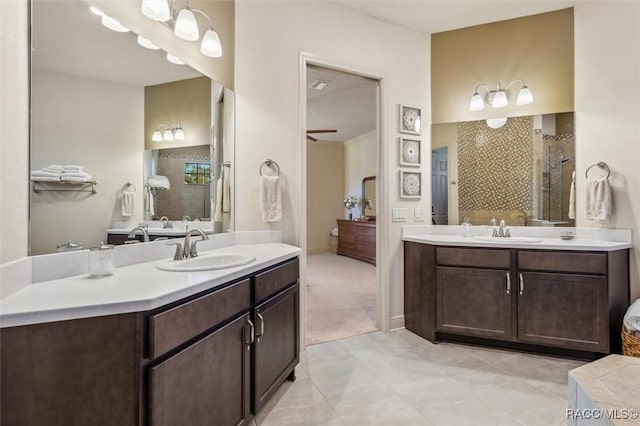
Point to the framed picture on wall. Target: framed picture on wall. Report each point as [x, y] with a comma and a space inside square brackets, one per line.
[409, 120]
[409, 152]
[410, 184]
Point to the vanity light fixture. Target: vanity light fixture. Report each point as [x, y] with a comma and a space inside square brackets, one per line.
[498, 98]
[169, 135]
[146, 43]
[496, 123]
[185, 25]
[174, 59]
[113, 25]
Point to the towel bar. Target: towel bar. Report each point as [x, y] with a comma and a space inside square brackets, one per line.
[46, 188]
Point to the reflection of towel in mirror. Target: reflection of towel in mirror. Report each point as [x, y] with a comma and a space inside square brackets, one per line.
[127, 202]
[598, 199]
[217, 217]
[632, 317]
[148, 200]
[270, 199]
[159, 181]
[226, 191]
[572, 197]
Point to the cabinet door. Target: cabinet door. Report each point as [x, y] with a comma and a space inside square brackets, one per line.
[474, 302]
[564, 310]
[277, 346]
[205, 384]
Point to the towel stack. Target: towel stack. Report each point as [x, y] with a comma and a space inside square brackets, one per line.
[57, 173]
[158, 181]
[632, 318]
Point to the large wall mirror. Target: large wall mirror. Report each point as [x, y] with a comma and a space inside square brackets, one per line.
[520, 171]
[97, 98]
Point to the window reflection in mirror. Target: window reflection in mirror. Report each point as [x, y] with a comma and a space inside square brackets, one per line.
[520, 172]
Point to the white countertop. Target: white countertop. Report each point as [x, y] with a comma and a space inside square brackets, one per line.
[180, 232]
[132, 288]
[549, 238]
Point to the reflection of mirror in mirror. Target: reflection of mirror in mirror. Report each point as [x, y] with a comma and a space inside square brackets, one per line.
[88, 109]
[369, 198]
[520, 172]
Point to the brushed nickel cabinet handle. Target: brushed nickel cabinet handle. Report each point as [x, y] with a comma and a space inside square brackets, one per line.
[521, 284]
[261, 326]
[252, 334]
[508, 283]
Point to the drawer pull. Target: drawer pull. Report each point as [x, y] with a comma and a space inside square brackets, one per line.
[521, 284]
[261, 326]
[508, 283]
[252, 334]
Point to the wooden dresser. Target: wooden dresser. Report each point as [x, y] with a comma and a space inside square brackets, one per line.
[357, 239]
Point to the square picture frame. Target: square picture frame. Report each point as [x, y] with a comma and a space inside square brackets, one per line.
[410, 120]
[410, 184]
[410, 154]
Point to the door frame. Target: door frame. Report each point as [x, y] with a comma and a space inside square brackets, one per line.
[382, 191]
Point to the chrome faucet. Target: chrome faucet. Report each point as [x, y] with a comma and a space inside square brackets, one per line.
[166, 223]
[143, 229]
[190, 249]
[502, 231]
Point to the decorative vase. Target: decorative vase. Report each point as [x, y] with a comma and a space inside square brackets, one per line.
[350, 216]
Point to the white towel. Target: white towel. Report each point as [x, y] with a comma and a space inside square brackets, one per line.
[270, 199]
[45, 179]
[632, 317]
[55, 167]
[572, 197]
[149, 204]
[127, 202]
[598, 199]
[73, 168]
[76, 174]
[226, 191]
[217, 217]
[158, 181]
[44, 173]
[66, 178]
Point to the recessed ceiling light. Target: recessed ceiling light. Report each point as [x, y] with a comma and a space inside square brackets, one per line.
[318, 85]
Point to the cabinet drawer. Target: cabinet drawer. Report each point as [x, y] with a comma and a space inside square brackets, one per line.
[586, 263]
[479, 258]
[274, 280]
[171, 328]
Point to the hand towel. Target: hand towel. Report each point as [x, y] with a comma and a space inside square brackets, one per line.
[270, 199]
[217, 217]
[226, 191]
[598, 199]
[149, 201]
[66, 174]
[55, 167]
[44, 173]
[66, 178]
[45, 179]
[632, 317]
[572, 197]
[127, 202]
[73, 168]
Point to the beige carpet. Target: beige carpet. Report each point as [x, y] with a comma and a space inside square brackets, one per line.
[341, 297]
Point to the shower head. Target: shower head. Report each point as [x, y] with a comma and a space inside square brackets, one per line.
[564, 160]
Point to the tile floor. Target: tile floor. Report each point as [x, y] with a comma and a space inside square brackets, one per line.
[397, 378]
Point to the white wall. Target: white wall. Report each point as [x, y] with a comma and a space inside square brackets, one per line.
[266, 84]
[607, 79]
[360, 161]
[93, 123]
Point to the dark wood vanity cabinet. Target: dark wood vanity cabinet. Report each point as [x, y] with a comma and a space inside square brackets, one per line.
[357, 239]
[214, 358]
[547, 298]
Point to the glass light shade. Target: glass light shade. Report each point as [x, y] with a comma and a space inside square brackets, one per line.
[174, 59]
[168, 135]
[476, 103]
[113, 25]
[158, 10]
[186, 26]
[525, 96]
[179, 134]
[146, 43]
[496, 123]
[211, 45]
[96, 11]
[157, 136]
[500, 99]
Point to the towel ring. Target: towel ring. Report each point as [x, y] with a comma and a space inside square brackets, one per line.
[270, 163]
[601, 165]
[127, 185]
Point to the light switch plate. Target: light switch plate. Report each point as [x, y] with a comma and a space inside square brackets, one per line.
[399, 215]
[418, 214]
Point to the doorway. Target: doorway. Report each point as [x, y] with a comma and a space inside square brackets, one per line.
[338, 153]
[440, 186]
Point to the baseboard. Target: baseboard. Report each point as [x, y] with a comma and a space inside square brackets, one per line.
[318, 250]
[396, 323]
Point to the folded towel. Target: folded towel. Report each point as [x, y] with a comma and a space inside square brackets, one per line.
[78, 174]
[45, 179]
[55, 167]
[158, 181]
[50, 170]
[226, 191]
[572, 197]
[632, 317]
[270, 199]
[76, 178]
[44, 173]
[73, 167]
[127, 202]
[217, 217]
[598, 199]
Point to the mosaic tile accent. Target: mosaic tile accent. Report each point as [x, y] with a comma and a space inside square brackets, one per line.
[186, 157]
[495, 166]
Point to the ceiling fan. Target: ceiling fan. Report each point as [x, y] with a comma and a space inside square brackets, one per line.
[311, 138]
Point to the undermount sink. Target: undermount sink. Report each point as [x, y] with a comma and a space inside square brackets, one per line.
[522, 240]
[206, 263]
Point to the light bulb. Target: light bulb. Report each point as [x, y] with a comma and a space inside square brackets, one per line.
[146, 43]
[179, 134]
[500, 99]
[168, 135]
[158, 10]
[96, 11]
[211, 45]
[157, 136]
[113, 25]
[174, 59]
[476, 103]
[496, 123]
[186, 26]
[525, 96]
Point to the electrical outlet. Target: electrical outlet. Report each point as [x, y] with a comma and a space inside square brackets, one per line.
[418, 214]
[399, 215]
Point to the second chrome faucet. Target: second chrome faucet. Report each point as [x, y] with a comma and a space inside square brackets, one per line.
[189, 248]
